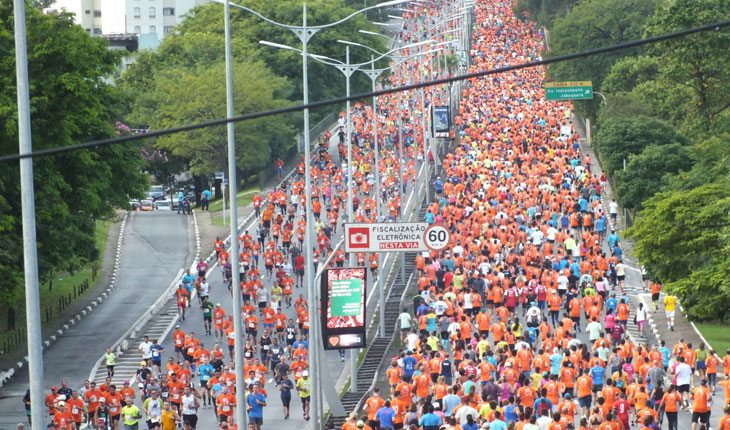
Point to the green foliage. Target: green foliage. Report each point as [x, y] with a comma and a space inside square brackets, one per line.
[645, 173]
[594, 24]
[182, 95]
[696, 64]
[683, 238]
[629, 72]
[625, 105]
[617, 138]
[247, 30]
[543, 11]
[183, 81]
[71, 101]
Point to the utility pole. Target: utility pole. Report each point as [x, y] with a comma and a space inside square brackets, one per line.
[27, 198]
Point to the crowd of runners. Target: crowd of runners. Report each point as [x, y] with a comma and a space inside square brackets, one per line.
[522, 322]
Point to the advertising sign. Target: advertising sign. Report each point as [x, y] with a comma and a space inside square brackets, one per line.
[440, 121]
[343, 302]
[395, 236]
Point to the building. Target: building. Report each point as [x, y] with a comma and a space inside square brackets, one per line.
[150, 20]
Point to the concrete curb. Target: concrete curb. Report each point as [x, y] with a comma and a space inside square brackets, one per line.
[7, 374]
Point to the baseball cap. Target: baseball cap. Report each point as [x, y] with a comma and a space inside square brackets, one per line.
[61, 403]
[305, 373]
[361, 423]
[102, 400]
[142, 363]
[54, 388]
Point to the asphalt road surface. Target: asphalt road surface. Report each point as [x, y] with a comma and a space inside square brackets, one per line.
[156, 247]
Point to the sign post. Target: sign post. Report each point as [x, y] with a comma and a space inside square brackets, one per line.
[580, 90]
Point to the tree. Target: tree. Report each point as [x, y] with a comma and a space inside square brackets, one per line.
[645, 173]
[617, 138]
[629, 72]
[182, 96]
[594, 24]
[247, 30]
[697, 63]
[71, 101]
[683, 238]
[543, 11]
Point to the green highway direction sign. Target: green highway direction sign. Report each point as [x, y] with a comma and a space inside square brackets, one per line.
[569, 90]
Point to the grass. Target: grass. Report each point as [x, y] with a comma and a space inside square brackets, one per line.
[717, 335]
[244, 198]
[64, 285]
[216, 207]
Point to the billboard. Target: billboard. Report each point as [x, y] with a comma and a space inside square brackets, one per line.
[343, 304]
[440, 121]
[395, 236]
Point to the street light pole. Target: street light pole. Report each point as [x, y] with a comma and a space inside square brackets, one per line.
[233, 190]
[27, 198]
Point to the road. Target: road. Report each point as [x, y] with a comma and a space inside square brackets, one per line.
[156, 246]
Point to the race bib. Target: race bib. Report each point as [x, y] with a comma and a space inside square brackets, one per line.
[226, 408]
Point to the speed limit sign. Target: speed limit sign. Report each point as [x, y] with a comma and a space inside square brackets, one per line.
[436, 237]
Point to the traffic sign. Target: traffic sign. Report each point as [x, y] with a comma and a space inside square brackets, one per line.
[219, 175]
[394, 236]
[437, 237]
[569, 90]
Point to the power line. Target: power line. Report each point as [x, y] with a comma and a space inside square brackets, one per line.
[217, 122]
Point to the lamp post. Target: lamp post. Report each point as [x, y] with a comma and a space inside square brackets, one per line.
[27, 198]
[304, 33]
[347, 70]
[233, 189]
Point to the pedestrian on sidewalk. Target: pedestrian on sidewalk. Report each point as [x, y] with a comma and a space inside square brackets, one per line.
[205, 197]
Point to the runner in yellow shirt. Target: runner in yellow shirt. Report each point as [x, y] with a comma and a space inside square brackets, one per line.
[169, 417]
[670, 304]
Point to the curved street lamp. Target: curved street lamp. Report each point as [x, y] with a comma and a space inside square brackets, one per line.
[304, 33]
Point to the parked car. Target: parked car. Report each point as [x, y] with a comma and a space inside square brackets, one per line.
[147, 206]
[134, 204]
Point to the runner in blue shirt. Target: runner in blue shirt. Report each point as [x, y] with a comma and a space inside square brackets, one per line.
[256, 402]
[206, 371]
[598, 374]
[385, 416]
[430, 421]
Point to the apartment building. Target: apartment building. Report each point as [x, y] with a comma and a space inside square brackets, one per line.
[151, 20]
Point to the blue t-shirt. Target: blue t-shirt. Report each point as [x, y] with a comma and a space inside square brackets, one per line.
[257, 410]
[665, 355]
[555, 361]
[156, 351]
[385, 416]
[205, 371]
[450, 402]
[498, 425]
[430, 419]
[409, 365]
[598, 374]
[188, 280]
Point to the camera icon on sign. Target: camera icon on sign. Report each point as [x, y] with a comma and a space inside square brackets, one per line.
[358, 239]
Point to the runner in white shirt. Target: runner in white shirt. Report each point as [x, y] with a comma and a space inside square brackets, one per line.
[145, 347]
